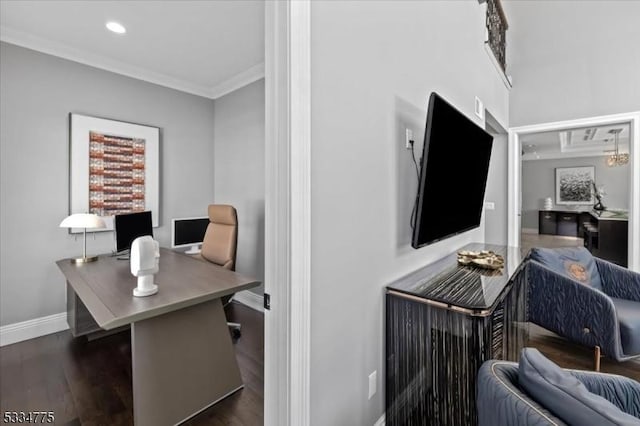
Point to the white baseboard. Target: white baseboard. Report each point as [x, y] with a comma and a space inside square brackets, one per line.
[380, 422]
[529, 231]
[25, 330]
[250, 299]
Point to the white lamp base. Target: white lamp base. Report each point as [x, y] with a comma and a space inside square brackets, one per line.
[153, 289]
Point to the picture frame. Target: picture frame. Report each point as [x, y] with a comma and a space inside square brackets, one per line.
[574, 185]
[113, 168]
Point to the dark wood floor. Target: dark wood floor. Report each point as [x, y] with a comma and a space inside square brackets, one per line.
[528, 241]
[569, 355]
[89, 383]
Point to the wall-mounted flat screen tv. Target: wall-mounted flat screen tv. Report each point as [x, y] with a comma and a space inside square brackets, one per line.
[453, 176]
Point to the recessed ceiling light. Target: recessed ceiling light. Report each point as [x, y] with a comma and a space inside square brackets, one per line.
[116, 27]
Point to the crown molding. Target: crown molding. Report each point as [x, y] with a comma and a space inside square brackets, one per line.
[29, 41]
[254, 73]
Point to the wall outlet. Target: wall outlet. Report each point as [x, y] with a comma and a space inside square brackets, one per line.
[373, 383]
[479, 108]
[408, 136]
[489, 205]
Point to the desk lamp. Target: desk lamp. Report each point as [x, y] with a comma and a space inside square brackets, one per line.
[84, 221]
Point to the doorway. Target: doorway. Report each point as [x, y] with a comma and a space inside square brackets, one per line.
[523, 147]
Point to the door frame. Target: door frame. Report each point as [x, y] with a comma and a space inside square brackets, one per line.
[287, 212]
[515, 168]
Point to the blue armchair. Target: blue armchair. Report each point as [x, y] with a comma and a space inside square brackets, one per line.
[501, 400]
[585, 299]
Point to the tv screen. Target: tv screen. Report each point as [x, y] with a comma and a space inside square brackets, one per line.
[130, 226]
[188, 231]
[455, 163]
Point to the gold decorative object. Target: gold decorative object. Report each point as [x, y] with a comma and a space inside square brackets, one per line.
[486, 259]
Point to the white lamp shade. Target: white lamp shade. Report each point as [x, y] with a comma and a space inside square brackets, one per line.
[83, 220]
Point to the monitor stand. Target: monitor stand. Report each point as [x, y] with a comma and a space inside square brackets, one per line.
[195, 249]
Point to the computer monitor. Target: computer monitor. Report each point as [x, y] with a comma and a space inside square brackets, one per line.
[130, 226]
[188, 231]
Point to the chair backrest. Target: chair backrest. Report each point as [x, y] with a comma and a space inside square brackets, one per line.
[575, 263]
[221, 238]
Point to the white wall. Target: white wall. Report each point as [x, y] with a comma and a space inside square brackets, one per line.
[373, 67]
[538, 183]
[239, 171]
[572, 59]
[38, 93]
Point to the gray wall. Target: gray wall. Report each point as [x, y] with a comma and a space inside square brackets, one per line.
[538, 183]
[496, 192]
[239, 171]
[38, 93]
[572, 59]
[374, 65]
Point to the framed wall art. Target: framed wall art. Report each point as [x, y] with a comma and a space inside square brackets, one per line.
[114, 168]
[574, 185]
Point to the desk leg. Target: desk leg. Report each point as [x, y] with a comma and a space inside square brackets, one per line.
[183, 362]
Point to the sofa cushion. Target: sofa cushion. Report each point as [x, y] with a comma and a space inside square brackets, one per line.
[628, 313]
[564, 395]
[576, 263]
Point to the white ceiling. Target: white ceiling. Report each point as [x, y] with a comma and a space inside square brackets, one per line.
[578, 142]
[203, 47]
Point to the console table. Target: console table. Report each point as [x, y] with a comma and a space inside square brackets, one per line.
[562, 222]
[442, 322]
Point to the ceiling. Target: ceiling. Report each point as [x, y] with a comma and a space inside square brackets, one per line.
[577, 142]
[208, 48]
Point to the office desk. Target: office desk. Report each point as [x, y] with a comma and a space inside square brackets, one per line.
[181, 351]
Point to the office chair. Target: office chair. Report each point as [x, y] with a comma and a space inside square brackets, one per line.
[220, 244]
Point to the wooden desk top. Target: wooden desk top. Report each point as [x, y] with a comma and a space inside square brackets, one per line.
[106, 286]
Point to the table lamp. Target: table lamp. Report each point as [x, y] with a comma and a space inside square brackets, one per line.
[84, 221]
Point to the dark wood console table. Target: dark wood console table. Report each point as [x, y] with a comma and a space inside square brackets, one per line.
[562, 222]
[442, 322]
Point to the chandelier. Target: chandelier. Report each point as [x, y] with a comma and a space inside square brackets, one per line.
[617, 158]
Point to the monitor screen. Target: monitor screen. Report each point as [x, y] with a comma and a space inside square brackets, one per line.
[130, 226]
[188, 231]
[455, 164]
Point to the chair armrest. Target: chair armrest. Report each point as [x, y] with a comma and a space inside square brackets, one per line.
[622, 392]
[572, 310]
[619, 282]
[501, 403]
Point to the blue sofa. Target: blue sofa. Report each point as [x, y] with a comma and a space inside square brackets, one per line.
[598, 306]
[502, 401]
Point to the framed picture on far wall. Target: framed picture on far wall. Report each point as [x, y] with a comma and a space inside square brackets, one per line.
[114, 168]
[574, 185]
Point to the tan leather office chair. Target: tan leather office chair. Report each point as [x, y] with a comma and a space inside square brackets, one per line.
[220, 244]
